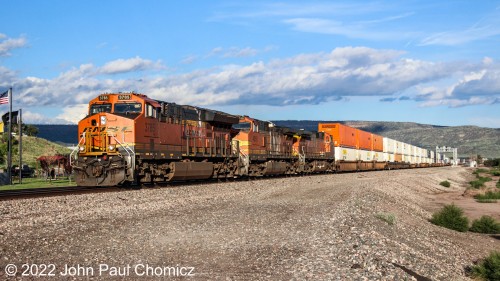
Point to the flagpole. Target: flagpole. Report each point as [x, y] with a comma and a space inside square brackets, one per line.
[9, 159]
[20, 121]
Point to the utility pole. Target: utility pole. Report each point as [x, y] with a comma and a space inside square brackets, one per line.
[9, 146]
[20, 121]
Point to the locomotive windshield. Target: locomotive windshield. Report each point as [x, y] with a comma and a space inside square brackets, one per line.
[128, 108]
[103, 107]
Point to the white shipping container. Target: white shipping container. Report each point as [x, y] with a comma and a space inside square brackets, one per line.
[399, 147]
[377, 156]
[389, 145]
[432, 154]
[419, 152]
[365, 155]
[346, 154]
[407, 149]
[388, 157]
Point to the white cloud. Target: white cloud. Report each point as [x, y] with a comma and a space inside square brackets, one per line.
[9, 44]
[37, 118]
[74, 113]
[237, 52]
[129, 65]
[302, 79]
[484, 28]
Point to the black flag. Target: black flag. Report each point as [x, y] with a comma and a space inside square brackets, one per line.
[5, 117]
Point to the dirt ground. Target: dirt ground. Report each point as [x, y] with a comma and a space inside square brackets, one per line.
[352, 226]
[463, 197]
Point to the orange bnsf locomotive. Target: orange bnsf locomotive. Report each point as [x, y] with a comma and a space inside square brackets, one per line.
[128, 138]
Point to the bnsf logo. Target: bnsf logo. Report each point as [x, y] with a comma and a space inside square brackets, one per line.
[94, 129]
[104, 129]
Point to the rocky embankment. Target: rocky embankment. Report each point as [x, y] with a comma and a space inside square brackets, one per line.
[352, 226]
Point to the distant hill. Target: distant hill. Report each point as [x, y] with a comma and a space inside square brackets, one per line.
[470, 140]
[62, 134]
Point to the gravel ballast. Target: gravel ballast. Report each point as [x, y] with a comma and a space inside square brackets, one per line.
[321, 227]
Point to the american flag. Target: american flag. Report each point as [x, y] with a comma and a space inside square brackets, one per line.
[4, 98]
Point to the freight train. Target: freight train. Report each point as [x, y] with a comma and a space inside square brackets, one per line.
[130, 139]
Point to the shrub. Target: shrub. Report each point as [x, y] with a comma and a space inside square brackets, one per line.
[485, 224]
[489, 268]
[495, 173]
[445, 183]
[476, 184]
[488, 195]
[451, 217]
[477, 171]
[387, 217]
[498, 184]
[492, 162]
[479, 182]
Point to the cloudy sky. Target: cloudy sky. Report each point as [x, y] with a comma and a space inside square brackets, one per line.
[433, 62]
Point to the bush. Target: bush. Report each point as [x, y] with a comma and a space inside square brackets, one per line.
[498, 184]
[485, 224]
[492, 162]
[479, 182]
[477, 171]
[489, 268]
[387, 217]
[445, 183]
[488, 195]
[495, 173]
[476, 184]
[451, 217]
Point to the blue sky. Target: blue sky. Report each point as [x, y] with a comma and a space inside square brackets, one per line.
[434, 62]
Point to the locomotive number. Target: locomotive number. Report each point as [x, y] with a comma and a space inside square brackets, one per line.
[124, 97]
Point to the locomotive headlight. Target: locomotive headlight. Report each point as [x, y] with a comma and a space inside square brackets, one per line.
[111, 147]
[81, 148]
[103, 120]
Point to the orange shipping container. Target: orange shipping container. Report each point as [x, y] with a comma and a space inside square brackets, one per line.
[377, 143]
[398, 157]
[364, 139]
[343, 135]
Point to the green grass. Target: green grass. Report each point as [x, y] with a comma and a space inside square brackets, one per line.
[485, 224]
[29, 183]
[477, 171]
[489, 268]
[34, 147]
[445, 183]
[488, 195]
[495, 173]
[387, 217]
[486, 200]
[451, 217]
[479, 182]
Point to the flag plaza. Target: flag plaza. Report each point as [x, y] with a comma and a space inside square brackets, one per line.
[11, 117]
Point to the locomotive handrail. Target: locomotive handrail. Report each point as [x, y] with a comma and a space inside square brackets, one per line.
[76, 148]
[127, 150]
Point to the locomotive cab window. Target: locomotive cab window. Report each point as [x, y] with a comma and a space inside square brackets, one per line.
[151, 111]
[127, 108]
[103, 107]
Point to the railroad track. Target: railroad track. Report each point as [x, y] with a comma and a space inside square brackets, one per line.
[51, 191]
